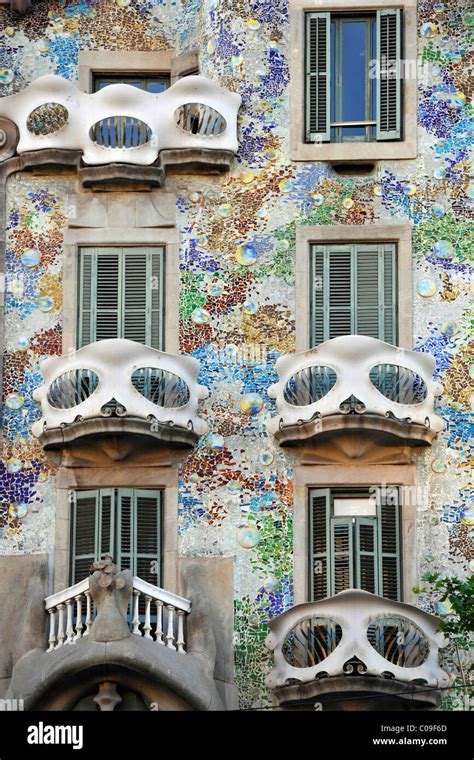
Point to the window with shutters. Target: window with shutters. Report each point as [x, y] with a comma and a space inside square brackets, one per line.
[121, 295]
[354, 541]
[353, 291]
[125, 523]
[353, 83]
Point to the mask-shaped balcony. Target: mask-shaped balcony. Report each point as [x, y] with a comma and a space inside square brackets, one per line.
[117, 391]
[354, 646]
[118, 642]
[126, 133]
[356, 383]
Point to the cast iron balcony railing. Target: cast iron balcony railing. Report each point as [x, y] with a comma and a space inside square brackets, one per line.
[192, 122]
[119, 387]
[72, 612]
[355, 642]
[356, 382]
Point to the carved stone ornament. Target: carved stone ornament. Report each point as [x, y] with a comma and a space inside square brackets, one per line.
[110, 589]
[107, 698]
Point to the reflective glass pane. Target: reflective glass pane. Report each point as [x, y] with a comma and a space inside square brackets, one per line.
[355, 507]
[157, 86]
[353, 65]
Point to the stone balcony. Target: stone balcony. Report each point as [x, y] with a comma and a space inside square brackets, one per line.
[72, 613]
[121, 134]
[118, 391]
[356, 383]
[118, 642]
[353, 647]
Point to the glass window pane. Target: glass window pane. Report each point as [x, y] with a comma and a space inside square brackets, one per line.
[154, 84]
[355, 507]
[353, 63]
[157, 86]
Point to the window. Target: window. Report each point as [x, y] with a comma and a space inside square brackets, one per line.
[123, 522]
[121, 295]
[354, 541]
[348, 98]
[353, 290]
[154, 83]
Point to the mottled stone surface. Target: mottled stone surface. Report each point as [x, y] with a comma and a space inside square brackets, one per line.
[23, 588]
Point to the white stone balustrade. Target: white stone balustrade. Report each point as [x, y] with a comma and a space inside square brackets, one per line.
[359, 382]
[72, 612]
[121, 123]
[122, 380]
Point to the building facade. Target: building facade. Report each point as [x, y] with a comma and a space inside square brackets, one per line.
[236, 377]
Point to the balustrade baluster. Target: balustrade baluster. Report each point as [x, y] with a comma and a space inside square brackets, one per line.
[180, 639]
[69, 625]
[52, 629]
[88, 613]
[136, 616]
[79, 625]
[170, 632]
[159, 621]
[147, 626]
[61, 635]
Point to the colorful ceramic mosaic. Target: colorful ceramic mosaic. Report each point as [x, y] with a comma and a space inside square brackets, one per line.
[237, 300]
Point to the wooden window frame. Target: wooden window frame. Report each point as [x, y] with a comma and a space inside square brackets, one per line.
[131, 62]
[401, 234]
[360, 152]
[122, 252]
[355, 522]
[353, 248]
[352, 476]
[115, 495]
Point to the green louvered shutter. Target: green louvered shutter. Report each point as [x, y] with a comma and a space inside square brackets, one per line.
[122, 295]
[156, 267]
[148, 535]
[367, 291]
[318, 60]
[92, 530]
[342, 554]
[340, 291]
[319, 540]
[143, 295]
[139, 534]
[126, 522]
[388, 518]
[87, 296]
[353, 290]
[107, 301]
[389, 90]
[365, 554]
[389, 290]
[135, 290]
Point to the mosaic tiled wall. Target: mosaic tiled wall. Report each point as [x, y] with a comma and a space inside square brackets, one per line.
[237, 298]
